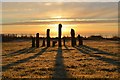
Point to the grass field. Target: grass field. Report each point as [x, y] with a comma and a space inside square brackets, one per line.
[95, 59]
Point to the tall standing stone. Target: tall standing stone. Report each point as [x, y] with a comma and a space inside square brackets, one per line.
[59, 35]
[48, 37]
[73, 39]
[37, 40]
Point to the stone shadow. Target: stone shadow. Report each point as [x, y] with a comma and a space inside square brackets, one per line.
[60, 71]
[84, 49]
[6, 67]
[97, 50]
[21, 51]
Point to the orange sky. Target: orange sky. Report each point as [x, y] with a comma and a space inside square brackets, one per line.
[86, 18]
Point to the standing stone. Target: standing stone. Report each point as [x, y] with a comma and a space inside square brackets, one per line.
[53, 43]
[43, 42]
[33, 42]
[80, 39]
[48, 37]
[73, 39]
[37, 40]
[59, 35]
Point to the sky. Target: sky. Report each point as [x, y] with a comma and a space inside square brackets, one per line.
[85, 17]
[60, 0]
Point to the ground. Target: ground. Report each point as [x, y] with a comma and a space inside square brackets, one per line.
[95, 59]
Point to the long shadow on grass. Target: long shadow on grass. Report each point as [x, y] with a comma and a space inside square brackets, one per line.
[108, 60]
[67, 48]
[99, 51]
[6, 67]
[60, 71]
[21, 51]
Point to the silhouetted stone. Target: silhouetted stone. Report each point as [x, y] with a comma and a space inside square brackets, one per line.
[37, 40]
[73, 39]
[59, 35]
[80, 39]
[53, 43]
[48, 37]
[64, 40]
[43, 44]
[33, 42]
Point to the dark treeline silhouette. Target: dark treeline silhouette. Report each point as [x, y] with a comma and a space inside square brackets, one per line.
[14, 37]
[93, 37]
[99, 37]
[114, 38]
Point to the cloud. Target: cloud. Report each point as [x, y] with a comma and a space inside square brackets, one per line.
[21, 11]
[91, 10]
[65, 21]
[60, 0]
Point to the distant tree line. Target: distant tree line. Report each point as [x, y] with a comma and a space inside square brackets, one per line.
[99, 37]
[13, 37]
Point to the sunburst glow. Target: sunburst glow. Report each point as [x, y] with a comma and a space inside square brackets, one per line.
[65, 29]
[85, 18]
[57, 17]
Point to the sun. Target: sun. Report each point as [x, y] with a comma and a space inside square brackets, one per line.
[57, 17]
